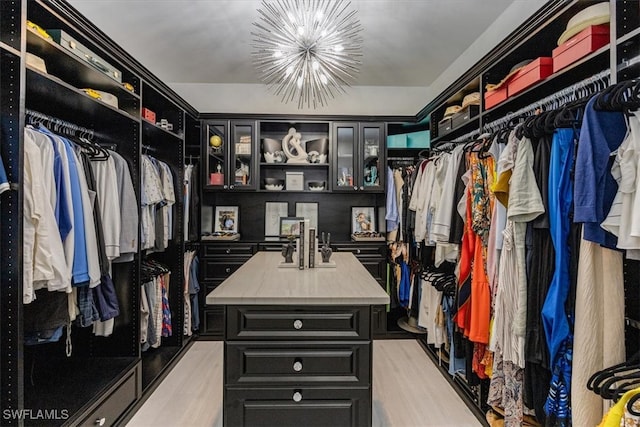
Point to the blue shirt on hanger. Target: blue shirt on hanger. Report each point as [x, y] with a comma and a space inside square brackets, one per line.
[601, 134]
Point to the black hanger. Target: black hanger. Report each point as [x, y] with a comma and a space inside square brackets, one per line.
[630, 404]
[599, 376]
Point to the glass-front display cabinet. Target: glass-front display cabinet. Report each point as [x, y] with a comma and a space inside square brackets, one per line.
[231, 155]
[359, 156]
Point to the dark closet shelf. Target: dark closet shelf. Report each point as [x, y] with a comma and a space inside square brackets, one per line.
[71, 102]
[579, 70]
[9, 49]
[155, 361]
[75, 382]
[628, 36]
[74, 71]
[151, 129]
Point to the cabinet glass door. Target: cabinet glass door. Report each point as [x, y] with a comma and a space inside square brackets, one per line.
[243, 160]
[371, 173]
[345, 135]
[217, 147]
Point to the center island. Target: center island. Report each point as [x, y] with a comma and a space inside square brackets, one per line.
[298, 343]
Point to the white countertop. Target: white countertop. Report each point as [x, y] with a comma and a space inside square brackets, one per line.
[261, 282]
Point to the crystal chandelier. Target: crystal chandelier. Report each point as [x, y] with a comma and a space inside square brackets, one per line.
[306, 50]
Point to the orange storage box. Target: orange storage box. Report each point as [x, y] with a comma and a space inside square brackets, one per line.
[149, 115]
[495, 97]
[587, 41]
[534, 72]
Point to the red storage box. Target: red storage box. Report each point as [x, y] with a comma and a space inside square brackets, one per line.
[148, 115]
[495, 97]
[587, 41]
[537, 70]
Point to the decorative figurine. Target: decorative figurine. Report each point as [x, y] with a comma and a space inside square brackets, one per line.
[292, 141]
[287, 251]
[326, 251]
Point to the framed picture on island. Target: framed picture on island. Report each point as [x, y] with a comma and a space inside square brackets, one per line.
[363, 219]
[290, 226]
[226, 219]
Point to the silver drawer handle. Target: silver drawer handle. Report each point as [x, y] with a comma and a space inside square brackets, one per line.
[297, 324]
[228, 269]
[297, 396]
[228, 250]
[100, 421]
[297, 366]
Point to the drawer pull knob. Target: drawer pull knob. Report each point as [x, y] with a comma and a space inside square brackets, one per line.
[228, 250]
[228, 269]
[297, 324]
[297, 396]
[297, 366]
[357, 251]
[100, 421]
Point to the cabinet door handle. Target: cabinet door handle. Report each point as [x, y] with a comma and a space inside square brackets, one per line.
[297, 396]
[228, 250]
[361, 187]
[231, 186]
[355, 187]
[100, 421]
[225, 186]
[227, 270]
[297, 324]
[357, 251]
[297, 366]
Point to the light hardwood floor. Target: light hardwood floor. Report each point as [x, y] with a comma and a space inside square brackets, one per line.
[408, 391]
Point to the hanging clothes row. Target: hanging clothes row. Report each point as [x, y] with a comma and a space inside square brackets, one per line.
[76, 222]
[191, 202]
[534, 201]
[155, 313]
[158, 199]
[191, 291]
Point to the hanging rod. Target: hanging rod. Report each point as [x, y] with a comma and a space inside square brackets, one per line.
[467, 136]
[56, 122]
[568, 94]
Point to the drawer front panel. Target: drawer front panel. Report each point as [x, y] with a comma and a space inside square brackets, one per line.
[363, 250]
[287, 362]
[108, 412]
[229, 250]
[267, 323]
[307, 407]
[213, 318]
[213, 270]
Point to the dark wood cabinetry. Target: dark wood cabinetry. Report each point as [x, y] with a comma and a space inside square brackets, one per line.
[218, 260]
[105, 377]
[306, 365]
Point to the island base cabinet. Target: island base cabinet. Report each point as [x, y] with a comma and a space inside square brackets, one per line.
[293, 406]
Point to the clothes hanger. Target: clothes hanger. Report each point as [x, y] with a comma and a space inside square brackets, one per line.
[598, 376]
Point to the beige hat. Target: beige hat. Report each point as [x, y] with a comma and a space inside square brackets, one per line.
[519, 66]
[451, 110]
[593, 15]
[471, 99]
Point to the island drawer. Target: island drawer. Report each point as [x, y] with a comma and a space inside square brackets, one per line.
[298, 322]
[328, 363]
[229, 249]
[297, 406]
[218, 270]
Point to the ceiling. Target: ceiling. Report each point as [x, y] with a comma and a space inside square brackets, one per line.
[201, 48]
